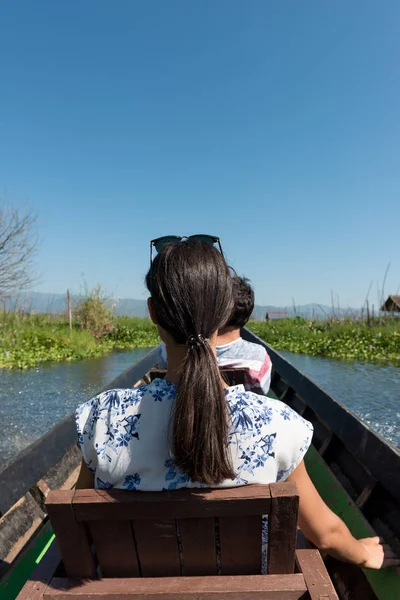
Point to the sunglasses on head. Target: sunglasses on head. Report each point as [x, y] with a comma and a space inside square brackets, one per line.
[160, 243]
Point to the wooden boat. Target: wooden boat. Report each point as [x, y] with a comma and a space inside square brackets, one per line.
[354, 469]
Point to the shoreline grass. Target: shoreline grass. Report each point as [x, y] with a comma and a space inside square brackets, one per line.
[28, 340]
[345, 340]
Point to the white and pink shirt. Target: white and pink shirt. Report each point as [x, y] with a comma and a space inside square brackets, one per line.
[239, 354]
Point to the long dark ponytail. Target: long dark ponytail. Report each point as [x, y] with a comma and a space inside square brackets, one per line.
[191, 291]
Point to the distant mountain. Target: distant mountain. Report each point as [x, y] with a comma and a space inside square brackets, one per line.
[40, 302]
[307, 311]
[131, 308]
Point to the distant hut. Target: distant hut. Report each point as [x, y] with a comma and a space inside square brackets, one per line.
[392, 304]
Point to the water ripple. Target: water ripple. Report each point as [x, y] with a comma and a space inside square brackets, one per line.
[370, 391]
[34, 400]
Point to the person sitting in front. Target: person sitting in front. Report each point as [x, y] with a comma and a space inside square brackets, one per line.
[233, 351]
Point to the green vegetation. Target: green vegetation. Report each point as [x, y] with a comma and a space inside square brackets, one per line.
[133, 332]
[357, 340]
[94, 313]
[26, 340]
[29, 339]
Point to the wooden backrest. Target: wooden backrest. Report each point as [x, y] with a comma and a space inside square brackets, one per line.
[233, 376]
[230, 376]
[183, 532]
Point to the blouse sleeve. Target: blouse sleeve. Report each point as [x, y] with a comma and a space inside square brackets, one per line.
[293, 439]
[86, 417]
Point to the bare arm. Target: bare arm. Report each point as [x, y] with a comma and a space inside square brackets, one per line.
[329, 533]
[85, 478]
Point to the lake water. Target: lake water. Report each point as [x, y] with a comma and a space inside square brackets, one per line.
[370, 391]
[32, 401]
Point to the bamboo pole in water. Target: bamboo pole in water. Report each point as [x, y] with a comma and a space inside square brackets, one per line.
[69, 309]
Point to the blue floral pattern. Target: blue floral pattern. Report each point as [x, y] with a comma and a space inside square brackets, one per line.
[124, 436]
[103, 485]
[132, 481]
[174, 476]
[287, 414]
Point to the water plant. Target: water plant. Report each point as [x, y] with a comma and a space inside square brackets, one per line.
[26, 340]
[29, 339]
[347, 339]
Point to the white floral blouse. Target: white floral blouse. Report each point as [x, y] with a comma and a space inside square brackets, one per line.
[123, 435]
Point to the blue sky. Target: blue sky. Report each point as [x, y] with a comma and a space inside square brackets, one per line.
[275, 125]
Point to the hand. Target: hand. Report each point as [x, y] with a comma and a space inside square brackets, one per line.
[378, 555]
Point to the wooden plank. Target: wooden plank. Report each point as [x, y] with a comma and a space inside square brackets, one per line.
[99, 505]
[198, 546]
[62, 475]
[366, 493]
[316, 576]
[37, 583]
[115, 548]
[297, 404]
[241, 543]
[233, 376]
[282, 528]
[157, 374]
[19, 525]
[349, 580]
[17, 477]
[279, 387]
[382, 524]
[157, 548]
[353, 476]
[287, 395]
[71, 536]
[322, 432]
[256, 587]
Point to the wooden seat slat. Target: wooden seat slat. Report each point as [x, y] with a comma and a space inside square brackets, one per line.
[115, 548]
[319, 583]
[198, 546]
[253, 587]
[99, 505]
[240, 541]
[157, 548]
[282, 529]
[72, 537]
[231, 376]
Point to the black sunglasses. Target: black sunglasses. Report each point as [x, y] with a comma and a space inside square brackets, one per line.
[160, 243]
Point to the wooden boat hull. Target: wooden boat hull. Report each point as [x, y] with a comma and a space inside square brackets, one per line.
[354, 469]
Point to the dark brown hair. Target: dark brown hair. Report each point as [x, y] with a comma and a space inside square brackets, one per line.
[191, 291]
[243, 298]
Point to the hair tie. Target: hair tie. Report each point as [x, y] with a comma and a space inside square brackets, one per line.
[195, 341]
